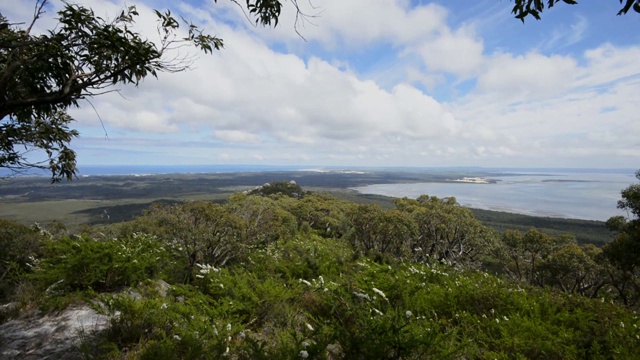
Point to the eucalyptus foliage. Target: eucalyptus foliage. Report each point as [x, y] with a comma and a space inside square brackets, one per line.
[84, 55]
[524, 8]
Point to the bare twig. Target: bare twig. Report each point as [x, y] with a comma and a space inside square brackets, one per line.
[37, 12]
[106, 135]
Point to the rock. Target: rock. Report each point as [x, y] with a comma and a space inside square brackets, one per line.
[50, 337]
[9, 308]
[334, 351]
[162, 287]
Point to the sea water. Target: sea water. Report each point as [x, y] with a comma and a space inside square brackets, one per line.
[590, 195]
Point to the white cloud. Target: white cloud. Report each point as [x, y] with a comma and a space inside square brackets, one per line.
[353, 23]
[315, 103]
[564, 35]
[236, 136]
[525, 77]
[458, 52]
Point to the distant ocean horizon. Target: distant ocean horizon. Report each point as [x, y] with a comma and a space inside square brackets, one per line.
[123, 170]
[230, 168]
[579, 193]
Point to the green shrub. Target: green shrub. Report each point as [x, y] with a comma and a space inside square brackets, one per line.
[81, 263]
[20, 248]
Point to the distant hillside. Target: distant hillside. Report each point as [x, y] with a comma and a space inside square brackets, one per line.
[585, 231]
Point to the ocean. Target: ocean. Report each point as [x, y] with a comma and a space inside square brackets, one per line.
[584, 194]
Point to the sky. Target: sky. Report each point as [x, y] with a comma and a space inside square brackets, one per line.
[377, 83]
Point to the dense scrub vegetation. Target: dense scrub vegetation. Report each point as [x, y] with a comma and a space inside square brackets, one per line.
[292, 274]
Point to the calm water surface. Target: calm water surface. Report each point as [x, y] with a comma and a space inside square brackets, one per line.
[591, 196]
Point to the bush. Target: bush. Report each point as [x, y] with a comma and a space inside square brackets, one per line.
[82, 263]
[20, 247]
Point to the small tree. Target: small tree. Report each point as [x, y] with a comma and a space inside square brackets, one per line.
[624, 251]
[447, 231]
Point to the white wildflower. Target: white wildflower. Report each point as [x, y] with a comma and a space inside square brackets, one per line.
[408, 313]
[309, 327]
[303, 354]
[163, 306]
[379, 292]
[621, 324]
[176, 337]
[206, 268]
[321, 280]
[305, 344]
[228, 327]
[378, 312]
[305, 282]
[362, 296]
[506, 318]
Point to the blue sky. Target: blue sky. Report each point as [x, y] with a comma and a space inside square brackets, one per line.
[380, 83]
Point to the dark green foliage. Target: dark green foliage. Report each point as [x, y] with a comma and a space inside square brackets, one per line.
[290, 189]
[559, 262]
[20, 247]
[363, 310]
[585, 231]
[631, 198]
[623, 252]
[198, 232]
[374, 230]
[447, 232]
[79, 263]
[265, 221]
[321, 212]
[524, 8]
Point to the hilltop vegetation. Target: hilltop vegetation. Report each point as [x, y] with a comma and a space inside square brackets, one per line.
[285, 276]
[111, 199]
